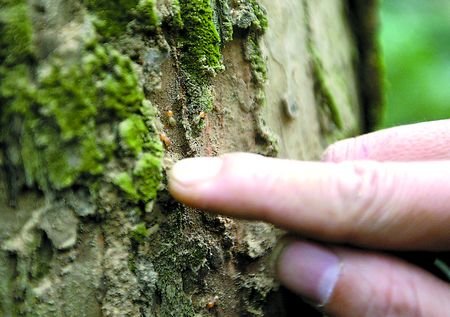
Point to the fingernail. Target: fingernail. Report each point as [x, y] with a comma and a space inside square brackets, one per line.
[309, 270]
[195, 170]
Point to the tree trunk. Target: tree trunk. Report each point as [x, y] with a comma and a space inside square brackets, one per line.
[98, 98]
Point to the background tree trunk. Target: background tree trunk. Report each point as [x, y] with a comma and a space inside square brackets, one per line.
[99, 98]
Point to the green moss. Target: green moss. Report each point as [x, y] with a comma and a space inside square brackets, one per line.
[224, 20]
[147, 176]
[201, 56]
[68, 114]
[253, 17]
[143, 182]
[114, 16]
[200, 39]
[133, 132]
[125, 182]
[258, 65]
[147, 13]
[179, 259]
[140, 232]
[16, 31]
[175, 303]
[16, 85]
[261, 23]
[70, 101]
[103, 82]
[250, 15]
[175, 21]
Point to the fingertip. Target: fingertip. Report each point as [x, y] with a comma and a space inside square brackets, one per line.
[203, 182]
[309, 270]
[189, 179]
[194, 171]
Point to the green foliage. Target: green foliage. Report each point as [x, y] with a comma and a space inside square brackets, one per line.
[415, 38]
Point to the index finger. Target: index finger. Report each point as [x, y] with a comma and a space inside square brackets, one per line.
[389, 205]
[413, 142]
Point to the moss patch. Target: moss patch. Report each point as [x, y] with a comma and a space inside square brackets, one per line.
[140, 232]
[180, 261]
[16, 32]
[201, 56]
[68, 105]
[147, 13]
[261, 23]
[143, 181]
[133, 133]
[200, 39]
[68, 111]
[252, 17]
[147, 175]
[204, 27]
[114, 16]
[257, 62]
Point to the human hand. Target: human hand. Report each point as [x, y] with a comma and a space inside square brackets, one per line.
[386, 190]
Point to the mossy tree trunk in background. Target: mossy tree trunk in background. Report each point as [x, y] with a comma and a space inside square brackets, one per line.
[98, 98]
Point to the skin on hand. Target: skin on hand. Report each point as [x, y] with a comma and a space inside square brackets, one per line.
[386, 190]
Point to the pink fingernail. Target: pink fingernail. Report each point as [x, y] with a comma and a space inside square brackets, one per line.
[195, 170]
[309, 270]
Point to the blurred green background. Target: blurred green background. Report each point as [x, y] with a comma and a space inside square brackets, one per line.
[415, 39]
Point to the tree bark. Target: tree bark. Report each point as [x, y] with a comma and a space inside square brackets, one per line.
[99, 98]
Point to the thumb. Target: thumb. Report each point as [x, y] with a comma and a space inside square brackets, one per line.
[346, 282]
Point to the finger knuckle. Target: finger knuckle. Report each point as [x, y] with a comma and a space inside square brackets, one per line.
[400, 301]
[360, 188]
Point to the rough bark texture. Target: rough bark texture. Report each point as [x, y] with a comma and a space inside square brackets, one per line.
[98, 98]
